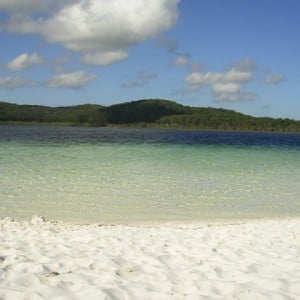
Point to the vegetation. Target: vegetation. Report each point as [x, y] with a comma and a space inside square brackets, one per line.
[152, 113]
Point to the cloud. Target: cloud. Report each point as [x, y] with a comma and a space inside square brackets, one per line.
[144, 78]
[12, 82]
[104, 58]
[24, 61]
[181, 60]
[227, 86]
[231, 76]
[246, 65]
[274, 79]
[23, 24]
[73, 80]
[21, 5]
[102, 30]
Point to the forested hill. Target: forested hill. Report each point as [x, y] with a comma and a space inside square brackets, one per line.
[151, 113]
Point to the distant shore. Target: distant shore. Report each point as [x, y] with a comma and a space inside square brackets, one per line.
[147, 113]
[132, 126]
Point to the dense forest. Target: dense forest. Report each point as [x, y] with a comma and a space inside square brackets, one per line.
[151, 113]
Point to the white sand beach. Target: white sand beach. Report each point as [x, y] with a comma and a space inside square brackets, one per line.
[251, 260]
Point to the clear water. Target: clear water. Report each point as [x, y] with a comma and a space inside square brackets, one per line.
[118, 175]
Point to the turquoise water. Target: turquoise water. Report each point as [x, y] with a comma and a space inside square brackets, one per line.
[137, 182]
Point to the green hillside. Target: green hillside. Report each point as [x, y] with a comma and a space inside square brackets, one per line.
[151, 113]
[44, 114]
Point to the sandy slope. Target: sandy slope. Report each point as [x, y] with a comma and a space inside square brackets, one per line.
[255, 260]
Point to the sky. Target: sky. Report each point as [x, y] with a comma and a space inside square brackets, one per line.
[234, 54]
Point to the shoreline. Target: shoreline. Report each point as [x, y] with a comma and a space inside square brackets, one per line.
[153, 127]
[208, 221]
[256, 259]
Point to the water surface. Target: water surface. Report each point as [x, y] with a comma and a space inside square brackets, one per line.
[130, 175]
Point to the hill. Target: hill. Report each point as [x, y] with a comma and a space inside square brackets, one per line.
[151, 113]
[43, 114]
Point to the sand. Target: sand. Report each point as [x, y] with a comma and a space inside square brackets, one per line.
[251, 260]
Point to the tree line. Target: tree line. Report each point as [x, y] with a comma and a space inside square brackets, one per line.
[150, 113]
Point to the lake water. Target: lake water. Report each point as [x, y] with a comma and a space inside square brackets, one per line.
[109, 175]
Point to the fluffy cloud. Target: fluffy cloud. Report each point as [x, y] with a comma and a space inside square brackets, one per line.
[73, 80]
[102, 30]
[274, 79]
[227, 86]
[11, 82]
[24, 61]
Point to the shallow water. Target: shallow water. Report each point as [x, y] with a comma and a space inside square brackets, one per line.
[118, 175]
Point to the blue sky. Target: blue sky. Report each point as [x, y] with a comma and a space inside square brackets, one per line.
[241, 55]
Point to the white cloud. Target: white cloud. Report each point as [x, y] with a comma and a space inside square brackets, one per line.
[21, 5]
[11, 82]
[226, 88]
[102, 30]
[181, 60]
[24, 61]
[104, 58]
[73, 80]
[274, 79]
[232, 75]
[197, 78]
[229, 85]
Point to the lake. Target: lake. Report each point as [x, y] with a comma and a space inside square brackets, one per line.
[110, 175]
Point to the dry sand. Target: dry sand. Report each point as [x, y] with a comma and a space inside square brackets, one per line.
[252, 260]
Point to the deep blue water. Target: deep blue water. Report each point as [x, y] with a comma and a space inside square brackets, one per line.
[138, 136]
